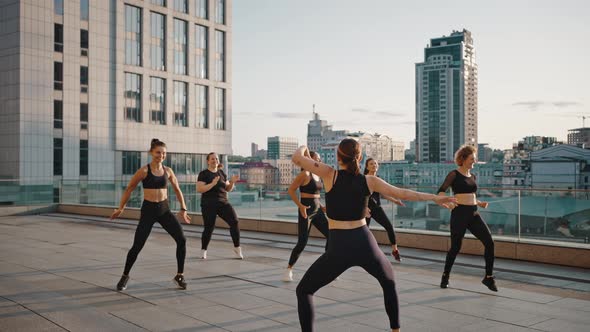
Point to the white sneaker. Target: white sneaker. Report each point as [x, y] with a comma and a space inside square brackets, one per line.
[203, 254]
[288, 276]
[238, 252]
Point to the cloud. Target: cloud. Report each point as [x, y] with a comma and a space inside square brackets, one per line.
[287, 115]
[532, 105]
[566, 103]
[383, 113]
[535, 105]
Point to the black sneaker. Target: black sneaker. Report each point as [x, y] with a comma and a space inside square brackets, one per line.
[122, 285]
[490, 283]
[444, 281]
[179, 281]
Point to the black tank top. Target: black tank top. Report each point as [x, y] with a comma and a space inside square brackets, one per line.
[459, 183]
[155, 182]
[312, 187]
[348, 198]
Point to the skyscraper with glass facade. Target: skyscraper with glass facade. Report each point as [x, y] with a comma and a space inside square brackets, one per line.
[446, 98]
[87, 84]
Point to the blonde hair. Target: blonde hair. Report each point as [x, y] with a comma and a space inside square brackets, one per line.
[463, 153]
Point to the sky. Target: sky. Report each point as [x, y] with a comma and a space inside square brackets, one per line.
[355, 60]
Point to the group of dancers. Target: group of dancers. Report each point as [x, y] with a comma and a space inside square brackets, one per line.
[352, 198]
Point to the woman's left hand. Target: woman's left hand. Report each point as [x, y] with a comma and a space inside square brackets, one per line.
[483, 205]
[184, 217]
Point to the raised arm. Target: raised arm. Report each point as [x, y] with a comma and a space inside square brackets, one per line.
[377, 184]
[230, 185]
[137, 177]
[302, 159]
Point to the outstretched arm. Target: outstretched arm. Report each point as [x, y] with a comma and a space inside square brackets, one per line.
[377, 184]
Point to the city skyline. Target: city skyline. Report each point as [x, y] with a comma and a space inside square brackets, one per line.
[530, 57]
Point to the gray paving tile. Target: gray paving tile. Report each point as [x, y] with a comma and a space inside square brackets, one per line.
[70, 283]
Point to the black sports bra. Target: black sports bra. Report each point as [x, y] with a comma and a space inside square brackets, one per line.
[460, 183]
[312, 187]
[152, 181]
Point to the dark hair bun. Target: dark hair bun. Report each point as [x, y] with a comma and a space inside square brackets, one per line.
[154, 141]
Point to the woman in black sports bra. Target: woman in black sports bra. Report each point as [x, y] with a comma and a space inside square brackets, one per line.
[464, 215]
[351, 243]
[310, 212]
[154, 177]
[377, 212]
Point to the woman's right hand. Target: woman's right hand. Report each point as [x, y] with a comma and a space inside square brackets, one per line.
[116, 213]
[303, 210]
[215, 180]
[447, 202]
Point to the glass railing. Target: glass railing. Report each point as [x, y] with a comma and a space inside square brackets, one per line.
[548, 214]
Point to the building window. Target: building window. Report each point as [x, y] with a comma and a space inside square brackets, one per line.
[58, 73]
[159, 2]
[58, 36]
[131, 162]
[84, 10]
[201, 8]
[83, 116]
[158, 100]
[59, 7]
[219, 109]
[220, 55]
[181, 6]
[84, 42]
[220, 11]
[57, 156]
[133, 97]
[132, 35]
[83, 157]
[84, 79]
[201, 37]
[180, 44]
[158, 41]
[202, 99]
[180, 104]
[58, 115]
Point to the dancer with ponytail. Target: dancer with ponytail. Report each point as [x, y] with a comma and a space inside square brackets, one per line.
[377, 212]
[154, 177]
[351, 243]
[309, 213]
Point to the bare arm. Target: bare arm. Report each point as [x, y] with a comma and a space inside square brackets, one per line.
[135, 180]
[137, 177]
[301, 158]
[183, 213]
[176, 188]
[202, 187]
[377, 184]
[394, 200]
[293, 188]
[230, 185]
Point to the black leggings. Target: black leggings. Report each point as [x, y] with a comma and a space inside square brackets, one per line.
[226, 212]
[381, 218]
[466, 217]
[150, 213]
[316, 217]
[347, 248]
